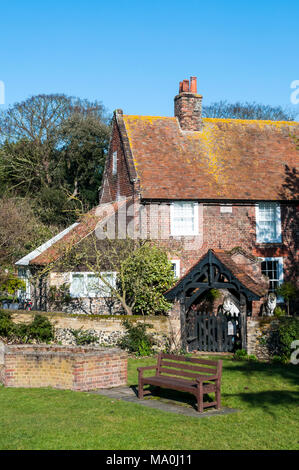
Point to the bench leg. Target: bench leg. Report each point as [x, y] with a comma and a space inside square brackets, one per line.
[218, 398]
[200, 398]
[140, 389]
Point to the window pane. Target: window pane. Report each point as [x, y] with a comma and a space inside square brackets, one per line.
[77, 286]
[105, 291]
[183, 218]
[268, 219]
[270, 268]
[92, 284]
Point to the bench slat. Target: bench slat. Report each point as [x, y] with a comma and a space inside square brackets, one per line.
[165, 370]
[179, 365]
[174, 357]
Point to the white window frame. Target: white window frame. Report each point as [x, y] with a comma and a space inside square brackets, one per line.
[259, 238]
[114, 163]
[85, 293]
[173, 229]
[24, 275]
[280, 271]
[177, 267]
[226, 208]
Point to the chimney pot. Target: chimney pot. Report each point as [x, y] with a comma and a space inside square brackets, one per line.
[185, 86]
[193, 84]
[187, 106]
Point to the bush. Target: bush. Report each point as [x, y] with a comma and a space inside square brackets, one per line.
[241, 355]
[282, 337]
[83, 337]
[136, 340]
[6, 324]
[146, 275]
[279, 312]
[39, 330]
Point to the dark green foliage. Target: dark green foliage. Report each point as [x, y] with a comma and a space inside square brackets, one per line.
[83, 337]
[279, 312]
[52, 149]
[137, 340]
[40, 330]
[146, 275]
[10, 286]
[6, 324]
[288, 291]
[241, 355]
[280, 338]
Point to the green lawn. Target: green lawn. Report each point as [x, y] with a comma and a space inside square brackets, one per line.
[266, 395]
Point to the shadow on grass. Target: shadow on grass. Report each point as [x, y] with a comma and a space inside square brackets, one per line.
[289, 373]
[267, 401]
[170, 396]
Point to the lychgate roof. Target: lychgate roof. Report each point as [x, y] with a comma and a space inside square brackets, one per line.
[227, 275]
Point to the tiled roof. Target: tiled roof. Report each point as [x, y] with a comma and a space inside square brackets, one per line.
[229, 159]
[258, 285]
[87, 225]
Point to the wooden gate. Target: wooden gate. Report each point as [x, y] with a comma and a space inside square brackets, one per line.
[218, 333]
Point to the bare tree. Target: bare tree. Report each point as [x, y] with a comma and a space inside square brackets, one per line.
[238, 110]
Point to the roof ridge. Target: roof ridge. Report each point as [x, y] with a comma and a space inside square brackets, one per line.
[209, 119]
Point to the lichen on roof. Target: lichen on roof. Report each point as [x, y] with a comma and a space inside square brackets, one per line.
[227, 159]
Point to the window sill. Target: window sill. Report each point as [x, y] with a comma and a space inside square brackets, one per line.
[269, 243]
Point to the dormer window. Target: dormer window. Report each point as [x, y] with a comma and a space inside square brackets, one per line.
[268, 223]
[114, 163]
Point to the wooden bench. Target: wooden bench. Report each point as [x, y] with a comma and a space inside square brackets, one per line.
[196, 376]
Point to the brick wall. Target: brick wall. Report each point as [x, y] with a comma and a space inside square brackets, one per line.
[63, 367]
[225, 230]
[118, 185]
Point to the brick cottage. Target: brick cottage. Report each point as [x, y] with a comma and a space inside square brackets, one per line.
[218, 194]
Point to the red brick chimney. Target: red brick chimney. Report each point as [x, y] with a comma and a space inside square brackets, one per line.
[187, 106]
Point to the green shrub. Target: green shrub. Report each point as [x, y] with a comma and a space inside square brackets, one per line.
[146, 275]
[289, 292]
[241, 355]
[83, 337]
[279, 312]
[39, 330]
[6, 324]
[137, 340]
[281, 339]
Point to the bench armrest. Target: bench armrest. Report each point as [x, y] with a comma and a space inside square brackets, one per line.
[141, 369]
[206, 378]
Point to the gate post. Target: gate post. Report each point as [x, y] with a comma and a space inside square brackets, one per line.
[243, 319]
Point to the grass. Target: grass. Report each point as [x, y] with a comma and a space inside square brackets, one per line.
[266, 395]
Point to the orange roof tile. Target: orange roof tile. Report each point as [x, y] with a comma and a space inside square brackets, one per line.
[86, 226]
[229, 159]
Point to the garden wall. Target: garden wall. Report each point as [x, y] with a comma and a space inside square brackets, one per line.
[62, 367]
[258, 330]
[108, 328]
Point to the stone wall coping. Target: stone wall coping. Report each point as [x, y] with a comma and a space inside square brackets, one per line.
[145, 318]
[59, 350]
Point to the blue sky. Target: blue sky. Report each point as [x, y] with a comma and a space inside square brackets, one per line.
[132, 54]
